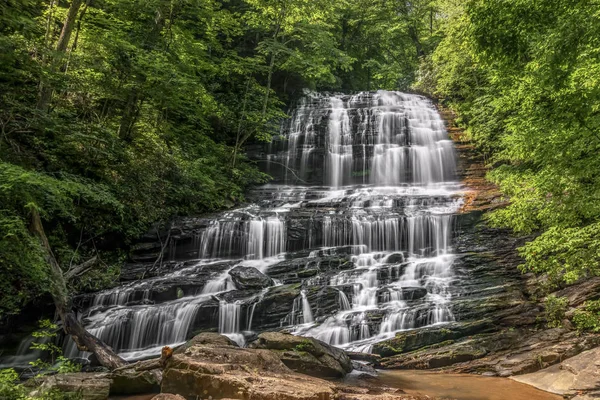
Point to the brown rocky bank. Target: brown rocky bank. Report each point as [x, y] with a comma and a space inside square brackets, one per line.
[211, 366]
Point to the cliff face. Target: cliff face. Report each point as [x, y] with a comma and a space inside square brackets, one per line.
[501, 328]
[387, 262]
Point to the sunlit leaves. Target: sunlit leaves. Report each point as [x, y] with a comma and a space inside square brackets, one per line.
[524, 76]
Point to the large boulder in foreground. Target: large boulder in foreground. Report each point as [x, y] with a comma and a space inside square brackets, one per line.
[223, 371]
[245, 278]
[211, 366]
[87, 386]
[306, 355]
[98, 385]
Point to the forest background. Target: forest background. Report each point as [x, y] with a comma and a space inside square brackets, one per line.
[119, 114]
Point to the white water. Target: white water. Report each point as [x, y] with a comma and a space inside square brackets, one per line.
[379, 180]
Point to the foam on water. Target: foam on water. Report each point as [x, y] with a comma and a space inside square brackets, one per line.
[374, 177]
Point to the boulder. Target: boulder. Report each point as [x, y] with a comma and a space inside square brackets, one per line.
[367, 357]
[87, 386]
[275, 305]
[128, 382]
[395, 258]
[305, 355]
[209, 339]
[415, 339]
[168, 396]
[249, 278]
[208, 369]
[578, 374]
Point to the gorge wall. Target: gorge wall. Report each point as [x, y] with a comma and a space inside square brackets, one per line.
[369, 238]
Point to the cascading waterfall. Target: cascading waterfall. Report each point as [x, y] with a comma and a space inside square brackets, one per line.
[307, 315]
[370, 226]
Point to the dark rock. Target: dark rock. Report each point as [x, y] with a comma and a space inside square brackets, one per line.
[306, 355]
[274, 306]
[296, 269]
[415, 339]
[249, 278]
[128, 382]
[395, 258]
[368, 357]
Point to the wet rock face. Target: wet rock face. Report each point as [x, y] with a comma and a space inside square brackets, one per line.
[375, 256]
[249, 278]
[305, 355]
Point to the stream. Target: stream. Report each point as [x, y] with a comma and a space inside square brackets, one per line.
[461, 386]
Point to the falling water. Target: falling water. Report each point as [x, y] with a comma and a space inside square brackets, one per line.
[306, 311]
[369, 208]
[229, 317]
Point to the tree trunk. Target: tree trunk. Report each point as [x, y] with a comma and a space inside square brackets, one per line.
[414, 35]
[65, 34]
[129, 115]
[58, 289]
[45, 94]
[280, 20]
[269, 78]
[239, 129]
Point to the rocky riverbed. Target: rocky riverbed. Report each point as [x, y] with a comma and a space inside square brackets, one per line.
[401, 268]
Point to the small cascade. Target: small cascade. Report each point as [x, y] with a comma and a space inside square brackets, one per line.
[229, 321]
[243, 235]
[221, 283]
[343, 301]
[307, 315]
[229, 317]
[25, 353]
[359, 216]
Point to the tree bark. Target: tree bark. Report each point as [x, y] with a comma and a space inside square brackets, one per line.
[281, 18]
[58, 289]
[45, 94]
[81, 268]
[239, 129]
[65, 34]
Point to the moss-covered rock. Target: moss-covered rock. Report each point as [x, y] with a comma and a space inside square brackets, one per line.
[306, 355]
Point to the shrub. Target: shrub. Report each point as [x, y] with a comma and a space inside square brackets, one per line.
[555, 310]
[588, 317]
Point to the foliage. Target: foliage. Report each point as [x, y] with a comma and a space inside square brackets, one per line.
[556, 308]
[588, 317]
[11, 389]
[56, 363]
[136, 112]
[523, 76]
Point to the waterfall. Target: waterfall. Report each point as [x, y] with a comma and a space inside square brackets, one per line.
[242, 235]
[229, 317]
[368, 213]
[343, 301]
[307, 315]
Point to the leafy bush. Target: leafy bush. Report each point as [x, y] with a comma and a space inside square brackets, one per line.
[57, 362]
[555, 310]
[588, 318]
